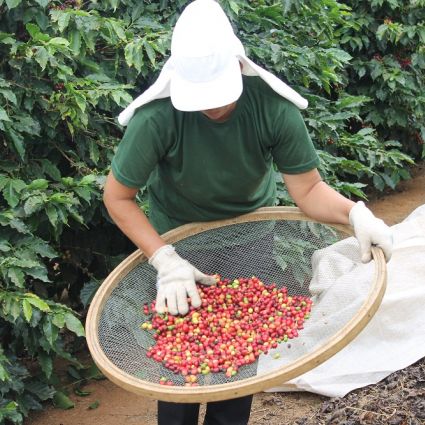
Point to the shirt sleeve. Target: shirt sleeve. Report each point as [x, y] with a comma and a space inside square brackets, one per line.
[293, 150]
[139, 151]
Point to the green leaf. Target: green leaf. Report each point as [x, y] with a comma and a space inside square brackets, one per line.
[82, 393]
[81, 102]
[94, 151]
[50, 169]
[18, 142]
[121, 97]
[88, 291]
[234, 6]
[12, 306]
[42, 56]
[37, 302]
[38, 184]
[58, 320]
[4, 180]
[73, 372]
[18, 225]
[13, 3]
[46, 363]
[39, 273]
[41, 247]
[114, 4]
[150, 52]
[27, 310]
[68, 181]
[3, 115]
[5, 246]
[94, 405]
[63, 21]
[118, 30]
[17, 276]
[74, 325]
[83, 192]
[40, 389]
[93, 372]
[35, 33]
[9, 412]
[19, 261]
[28, 125]
[52, 215]
[341, 55]
[48, 331]
[4, 375]
[62, 401]
[11, 191]
[133, 55]
[5, 37]
[75, 41]
[58, 42]
[89, 179]
[388, 180]
[33, 204]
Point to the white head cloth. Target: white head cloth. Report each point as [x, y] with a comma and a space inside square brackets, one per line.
[199, 21]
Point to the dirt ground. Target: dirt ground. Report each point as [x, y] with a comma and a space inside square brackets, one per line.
[397, 400]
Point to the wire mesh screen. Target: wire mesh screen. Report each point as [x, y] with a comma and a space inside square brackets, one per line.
[280, 252]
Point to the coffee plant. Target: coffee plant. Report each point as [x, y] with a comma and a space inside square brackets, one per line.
[67, 68]
[387, 42]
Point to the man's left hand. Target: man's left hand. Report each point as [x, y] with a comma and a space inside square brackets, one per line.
[369, 231]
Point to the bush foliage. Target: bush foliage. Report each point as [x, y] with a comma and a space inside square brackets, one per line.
[387, 42]
[66, 70]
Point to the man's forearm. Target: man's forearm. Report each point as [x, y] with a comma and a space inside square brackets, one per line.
[134, 224]
[325, 204]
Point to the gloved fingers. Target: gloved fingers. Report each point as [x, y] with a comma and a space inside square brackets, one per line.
[171, 301]
[365, 249]
[178, 303]
[192, 292]
[366, 255]
[203, 278]
[386, 244]
[160, 306]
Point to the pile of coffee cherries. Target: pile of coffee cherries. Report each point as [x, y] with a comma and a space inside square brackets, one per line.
[237, 321]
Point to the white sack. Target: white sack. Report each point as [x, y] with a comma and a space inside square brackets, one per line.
[393, 339]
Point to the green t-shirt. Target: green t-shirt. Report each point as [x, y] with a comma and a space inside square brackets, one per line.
[196, 169]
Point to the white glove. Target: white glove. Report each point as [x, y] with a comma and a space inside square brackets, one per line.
[176, 281]
[369, 231]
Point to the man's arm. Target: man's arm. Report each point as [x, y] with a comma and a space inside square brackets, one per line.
[319, 201]
[127, 215]
[316, 199]
[176, 277]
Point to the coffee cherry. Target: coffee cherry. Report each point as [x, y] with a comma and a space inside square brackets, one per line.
[238, 320]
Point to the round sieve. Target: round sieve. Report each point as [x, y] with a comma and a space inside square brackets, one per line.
[278, 245]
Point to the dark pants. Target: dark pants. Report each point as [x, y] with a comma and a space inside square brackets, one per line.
[227, 412]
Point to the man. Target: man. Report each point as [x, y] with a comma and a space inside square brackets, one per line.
[204, 139]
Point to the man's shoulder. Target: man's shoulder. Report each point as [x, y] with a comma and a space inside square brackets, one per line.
[257, 88]
[157, 109]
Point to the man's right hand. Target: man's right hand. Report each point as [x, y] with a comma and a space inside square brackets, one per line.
[176, 281]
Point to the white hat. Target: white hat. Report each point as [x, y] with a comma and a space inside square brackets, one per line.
[204, 70]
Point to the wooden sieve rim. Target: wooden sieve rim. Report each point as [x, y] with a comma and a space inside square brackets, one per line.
[207, 393]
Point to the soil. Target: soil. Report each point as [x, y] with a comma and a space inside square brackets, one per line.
[399, 399]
